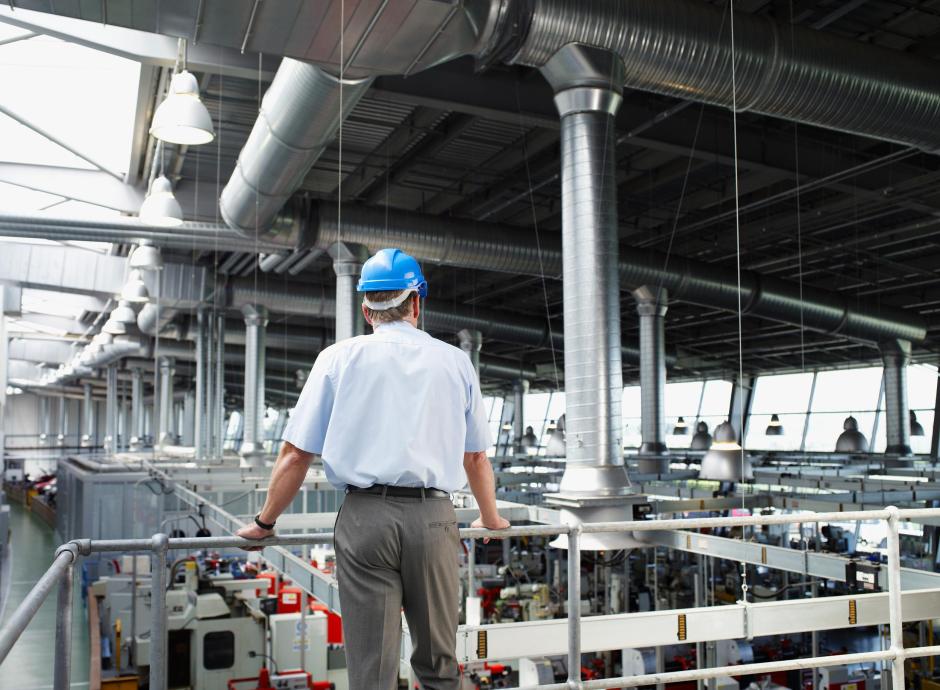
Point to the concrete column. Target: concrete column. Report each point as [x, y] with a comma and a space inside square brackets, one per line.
[519, 389]
[165, 431]
[256, 321]
[137, 409]
[347, 264]
[651, 305]
[896, 355]
[88, 411]
[471, 342]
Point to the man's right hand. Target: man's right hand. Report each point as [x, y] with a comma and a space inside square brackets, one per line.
[495, 523]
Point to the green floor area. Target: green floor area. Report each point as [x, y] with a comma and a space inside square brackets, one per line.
[29, 664]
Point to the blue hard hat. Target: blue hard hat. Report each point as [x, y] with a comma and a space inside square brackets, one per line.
[392, 269]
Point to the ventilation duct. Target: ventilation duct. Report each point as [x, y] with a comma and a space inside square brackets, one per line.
[896, 355]
[499, 248]
[682, 48]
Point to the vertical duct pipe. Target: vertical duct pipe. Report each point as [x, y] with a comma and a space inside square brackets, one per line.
[88, 410]
[651, 305]
[256, 320]
[110, 427]
[347, 264]
[519, 389]
[165, 414]
[137, 408]
[199, 419]
[219, 421]
[594, 487]
[43, 420]
[896, 355]
[63, 422]
[587, 84]
[471, 342]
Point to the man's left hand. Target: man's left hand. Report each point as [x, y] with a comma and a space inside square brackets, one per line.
[254, 532]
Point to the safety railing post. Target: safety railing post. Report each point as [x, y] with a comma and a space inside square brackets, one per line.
[895, 619]
[63, 625]
[574, 607]
[159, 545]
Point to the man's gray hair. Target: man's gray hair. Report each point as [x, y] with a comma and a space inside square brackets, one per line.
[399, 313]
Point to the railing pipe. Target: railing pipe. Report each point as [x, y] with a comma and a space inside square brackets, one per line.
[158, 544]
[574, 609]
[21, 617]
[895, 619]
[63, 626]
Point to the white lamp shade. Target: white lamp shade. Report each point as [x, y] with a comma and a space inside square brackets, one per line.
[124, 313]
[103, 338]
[161, 208]
[114, 327]
[182, 118]
[146, 257]
[134, 289]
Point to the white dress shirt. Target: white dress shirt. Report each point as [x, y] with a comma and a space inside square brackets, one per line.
[396, 407]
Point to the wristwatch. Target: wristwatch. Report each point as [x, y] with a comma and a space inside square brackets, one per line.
[264, 525]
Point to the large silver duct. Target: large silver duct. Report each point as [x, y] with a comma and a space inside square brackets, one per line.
[896, 355]
[347, 263]
[587, 95]
[471, 342]
[651, 305]
[300, 116]
[256, 320]
[682, 48]
[499, 248]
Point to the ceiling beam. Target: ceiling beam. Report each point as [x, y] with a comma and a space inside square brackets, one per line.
[89, 186]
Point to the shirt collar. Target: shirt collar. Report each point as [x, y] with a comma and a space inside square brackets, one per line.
[403, 326]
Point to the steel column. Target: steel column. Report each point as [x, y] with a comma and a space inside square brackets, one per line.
[519, 389]
[199, 423]
[137, 408]
[63, 421]
[574, 608]
[111, 431]
[165, 429]
[347, 264]
[43, 420]
[895, 617]
[88, 410]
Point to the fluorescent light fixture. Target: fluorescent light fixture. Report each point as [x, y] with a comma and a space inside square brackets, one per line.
[161, 208]
[183, 118]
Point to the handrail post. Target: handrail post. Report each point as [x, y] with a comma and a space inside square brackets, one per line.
[574, 607]
[63, 623]
[159, 545]
[895, 619]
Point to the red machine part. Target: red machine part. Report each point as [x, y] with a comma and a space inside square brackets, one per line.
[289, 600]
[334, 624]
[272, 584]
[265, 681]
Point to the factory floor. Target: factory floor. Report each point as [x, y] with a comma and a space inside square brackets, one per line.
[29, 665]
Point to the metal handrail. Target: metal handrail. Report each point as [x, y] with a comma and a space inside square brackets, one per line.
[60, 573]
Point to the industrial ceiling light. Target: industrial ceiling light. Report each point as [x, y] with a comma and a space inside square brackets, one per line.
[702, 440]
[183, 118]
[851, 440]
[775, 428]
[103, 338]
[723, 461]
[917, 428]
[161, 208]
[146, 257]
[124, 313]
[135, 290]
[114, 327]
[681, 428]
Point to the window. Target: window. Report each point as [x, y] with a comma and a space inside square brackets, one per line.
[682, 400]
[922, 397]
[630, 413]
[786, 396]
[218, 650]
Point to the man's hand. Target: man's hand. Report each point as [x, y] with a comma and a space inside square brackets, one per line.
[255, 533]
[495, 523]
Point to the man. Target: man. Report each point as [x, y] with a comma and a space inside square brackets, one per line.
[398, 419]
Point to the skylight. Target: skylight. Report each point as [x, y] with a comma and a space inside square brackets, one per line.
[84, 97]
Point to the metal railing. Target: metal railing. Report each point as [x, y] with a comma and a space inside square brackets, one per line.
[59, 575]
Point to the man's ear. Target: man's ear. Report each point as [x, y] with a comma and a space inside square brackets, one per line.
[365, 314]
[416, 305]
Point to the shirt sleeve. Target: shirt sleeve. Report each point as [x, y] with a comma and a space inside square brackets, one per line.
[310, 418]
[478, 426]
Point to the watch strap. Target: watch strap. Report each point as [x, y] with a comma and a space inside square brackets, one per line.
[264, 525]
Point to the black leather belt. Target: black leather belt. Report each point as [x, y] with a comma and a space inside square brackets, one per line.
[403, 491]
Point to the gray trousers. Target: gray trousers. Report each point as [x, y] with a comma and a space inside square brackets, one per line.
[394, 553]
